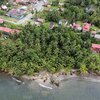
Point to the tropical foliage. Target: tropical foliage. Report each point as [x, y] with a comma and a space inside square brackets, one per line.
[39, 48]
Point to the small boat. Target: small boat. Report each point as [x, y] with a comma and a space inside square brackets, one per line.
[17, 80]
[45, 86]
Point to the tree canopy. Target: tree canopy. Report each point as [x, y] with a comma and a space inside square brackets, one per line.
[39, 48]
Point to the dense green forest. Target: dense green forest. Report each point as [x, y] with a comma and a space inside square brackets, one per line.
[39, 48]
[85, 10]
[77, 10]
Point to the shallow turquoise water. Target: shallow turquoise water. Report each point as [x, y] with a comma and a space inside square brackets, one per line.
[69, 90]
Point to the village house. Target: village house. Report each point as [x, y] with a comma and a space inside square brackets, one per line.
[4, 7]
[38, 21]
[17, 13]
[86, 27]
[95, 48]
[95, 35]
[7, 31]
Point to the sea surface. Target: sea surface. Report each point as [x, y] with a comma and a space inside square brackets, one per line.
[75, 89]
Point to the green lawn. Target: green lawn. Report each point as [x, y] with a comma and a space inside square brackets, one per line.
[8, 18]
[95, 28]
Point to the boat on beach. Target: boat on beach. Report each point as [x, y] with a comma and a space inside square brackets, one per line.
[17, 80]
[45, 86]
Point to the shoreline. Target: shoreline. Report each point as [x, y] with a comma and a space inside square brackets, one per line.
[52, 80]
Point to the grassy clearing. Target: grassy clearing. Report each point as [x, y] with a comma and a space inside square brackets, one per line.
[8, 18]
[95, 28]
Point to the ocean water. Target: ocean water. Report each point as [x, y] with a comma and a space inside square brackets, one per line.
[75, 89]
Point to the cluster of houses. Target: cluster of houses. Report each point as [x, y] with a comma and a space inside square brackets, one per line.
[86, 28]
[7, 31]
[21, 8]
[17, 13]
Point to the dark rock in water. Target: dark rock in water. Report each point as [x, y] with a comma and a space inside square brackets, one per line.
[55, 81]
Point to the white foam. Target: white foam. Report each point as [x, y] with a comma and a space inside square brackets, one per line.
[92, 79]
[45, 86]
[16, 80]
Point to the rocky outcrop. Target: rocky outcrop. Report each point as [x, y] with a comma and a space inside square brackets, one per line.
[55, 81]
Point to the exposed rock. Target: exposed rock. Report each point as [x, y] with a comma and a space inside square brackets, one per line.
[55, 81]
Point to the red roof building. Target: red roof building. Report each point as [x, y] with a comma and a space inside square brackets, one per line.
[86, 27]
[8, 30]
[95, 48]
